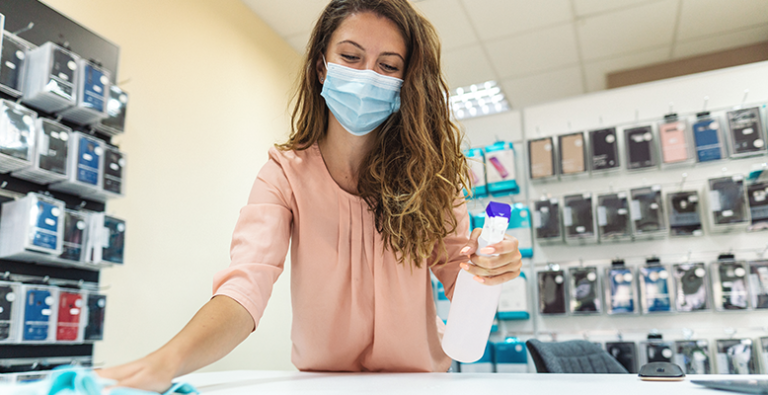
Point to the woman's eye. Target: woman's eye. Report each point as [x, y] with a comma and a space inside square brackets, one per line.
[388, 67]
[350, 57]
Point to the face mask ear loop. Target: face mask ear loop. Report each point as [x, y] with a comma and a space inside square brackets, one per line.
[322, 79]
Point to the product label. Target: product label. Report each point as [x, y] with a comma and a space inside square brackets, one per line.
[500, 166]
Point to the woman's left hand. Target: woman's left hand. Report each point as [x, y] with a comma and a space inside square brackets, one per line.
[492, 270]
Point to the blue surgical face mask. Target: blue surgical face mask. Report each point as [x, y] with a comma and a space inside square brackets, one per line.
[361, 100]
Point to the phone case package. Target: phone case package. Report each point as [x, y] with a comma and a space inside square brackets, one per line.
[693, 356]
[105, 244]
[68, 320]
[40, 310]
[656, 350]
[604, 150]
[513, 302]
[520, 228]
[11, 301]
[552, 292]
[13, 58]
[684, 214]
[92, 95]
[584, 290]
[655, 289]
[613, 217]
[17, 136]
[673, 134]
[728, 208]
[117, 106]
[757, 197]
[51, 78]
[647, 208]
[735, 356]
[641, 148]
[546, 221]
[541, 157]
[578, 219]
[764, 351]
[730, 286]
[96, 306]
[691, 287]
[85, 168]
[620, 293]
[31, 228]
[625, 353]
[707, 136]
[50, 155]
[113, 176]
[75, 234]
[572, 154]
[746, 132]
[476, 163]
[510, 356]
[758, 284]
[500, 169]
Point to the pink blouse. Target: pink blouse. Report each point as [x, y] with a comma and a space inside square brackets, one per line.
[354, 307]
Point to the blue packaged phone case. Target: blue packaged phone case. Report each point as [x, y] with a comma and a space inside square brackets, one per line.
[621, 298]
[706, 135]
[94, 92]
[655, 289]
[89, 159]
[38, 305]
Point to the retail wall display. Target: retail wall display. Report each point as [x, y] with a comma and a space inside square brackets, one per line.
[584, 290]
[500, 169]
[572, 154]
[647, 210]
[579, 218]
[758, 284]
[546, 220]
[31, 228]
[17, 136]
[604, 150]
[39, 313]
[50, 154]
[673, 135]
[70, 307]
[708, 138]
[117, 106]
[641, 148]
[513, 303]
[693, 356]
[746, 132]
[691, 287]
[12, 59]
[728, 207]
[85, 168]
[92, 94]
[476, 162]
[51, 78]
[684, 213]
[736, 356]
[621, 297]
[11, 301]
[541, 154]
[757, 197]
[552, 292]
[730, 283]
[655, 289]
[625, 353]
[613, 217]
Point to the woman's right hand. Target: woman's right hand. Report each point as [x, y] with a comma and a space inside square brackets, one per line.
[148, 373]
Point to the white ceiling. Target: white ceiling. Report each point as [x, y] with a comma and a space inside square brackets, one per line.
[543, 50]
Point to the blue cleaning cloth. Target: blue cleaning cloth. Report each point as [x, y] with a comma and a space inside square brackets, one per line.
[78, 381]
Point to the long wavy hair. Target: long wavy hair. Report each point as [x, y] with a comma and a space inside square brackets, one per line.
[412, 178]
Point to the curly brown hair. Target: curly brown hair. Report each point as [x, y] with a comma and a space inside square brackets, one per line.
[412, 178]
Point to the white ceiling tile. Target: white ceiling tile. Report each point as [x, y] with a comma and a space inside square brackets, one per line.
[288, 17]
[706, 17]
[451, 22]
[597, 71]
[626, 31]
[299, 42]
[721, 42]
[466, 66]
[526, 91]
[587, 7]
[499, 18]
[534, 52]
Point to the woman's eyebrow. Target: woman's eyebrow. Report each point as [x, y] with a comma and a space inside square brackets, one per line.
[393, 54]
[351, 42]
[363, 49]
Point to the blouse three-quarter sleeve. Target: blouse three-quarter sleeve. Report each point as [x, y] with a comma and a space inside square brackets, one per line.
[259, 242]
[447, 269]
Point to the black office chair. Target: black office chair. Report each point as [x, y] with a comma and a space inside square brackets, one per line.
[574, 356]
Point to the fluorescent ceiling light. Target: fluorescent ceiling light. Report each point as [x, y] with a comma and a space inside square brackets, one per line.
[478, 99]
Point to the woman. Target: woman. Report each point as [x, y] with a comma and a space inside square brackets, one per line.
[365, 190]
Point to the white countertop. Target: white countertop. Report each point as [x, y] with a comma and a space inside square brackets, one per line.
[243, 382]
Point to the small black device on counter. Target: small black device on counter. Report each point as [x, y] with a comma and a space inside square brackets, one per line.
[661, 371]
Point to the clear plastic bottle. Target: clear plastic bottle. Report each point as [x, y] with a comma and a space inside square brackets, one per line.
[474, 304]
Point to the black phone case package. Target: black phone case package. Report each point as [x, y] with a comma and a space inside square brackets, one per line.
[641, 148]
[657, 350]
[51, 78]
[746, 132]
[578, 219]
[96, 306]
[12, 63]
[75, 234]
[105, 244]
[691, 287]
[647, 208]
[693, 356]
[113, 177]
[736, 356]
[604, 150]
[757, 197]
[552, 292]
[584, 290]
[17, 136]
[758, 284]
[117, 107]
[546, 221]
[620, 294]
[10, 309]
[684, 214]
[764, 350]
[613, 222]
[727, 200]
[730, 285]
[625, 353]
[50, 155]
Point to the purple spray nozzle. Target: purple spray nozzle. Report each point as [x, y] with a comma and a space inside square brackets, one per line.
[495, 209]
